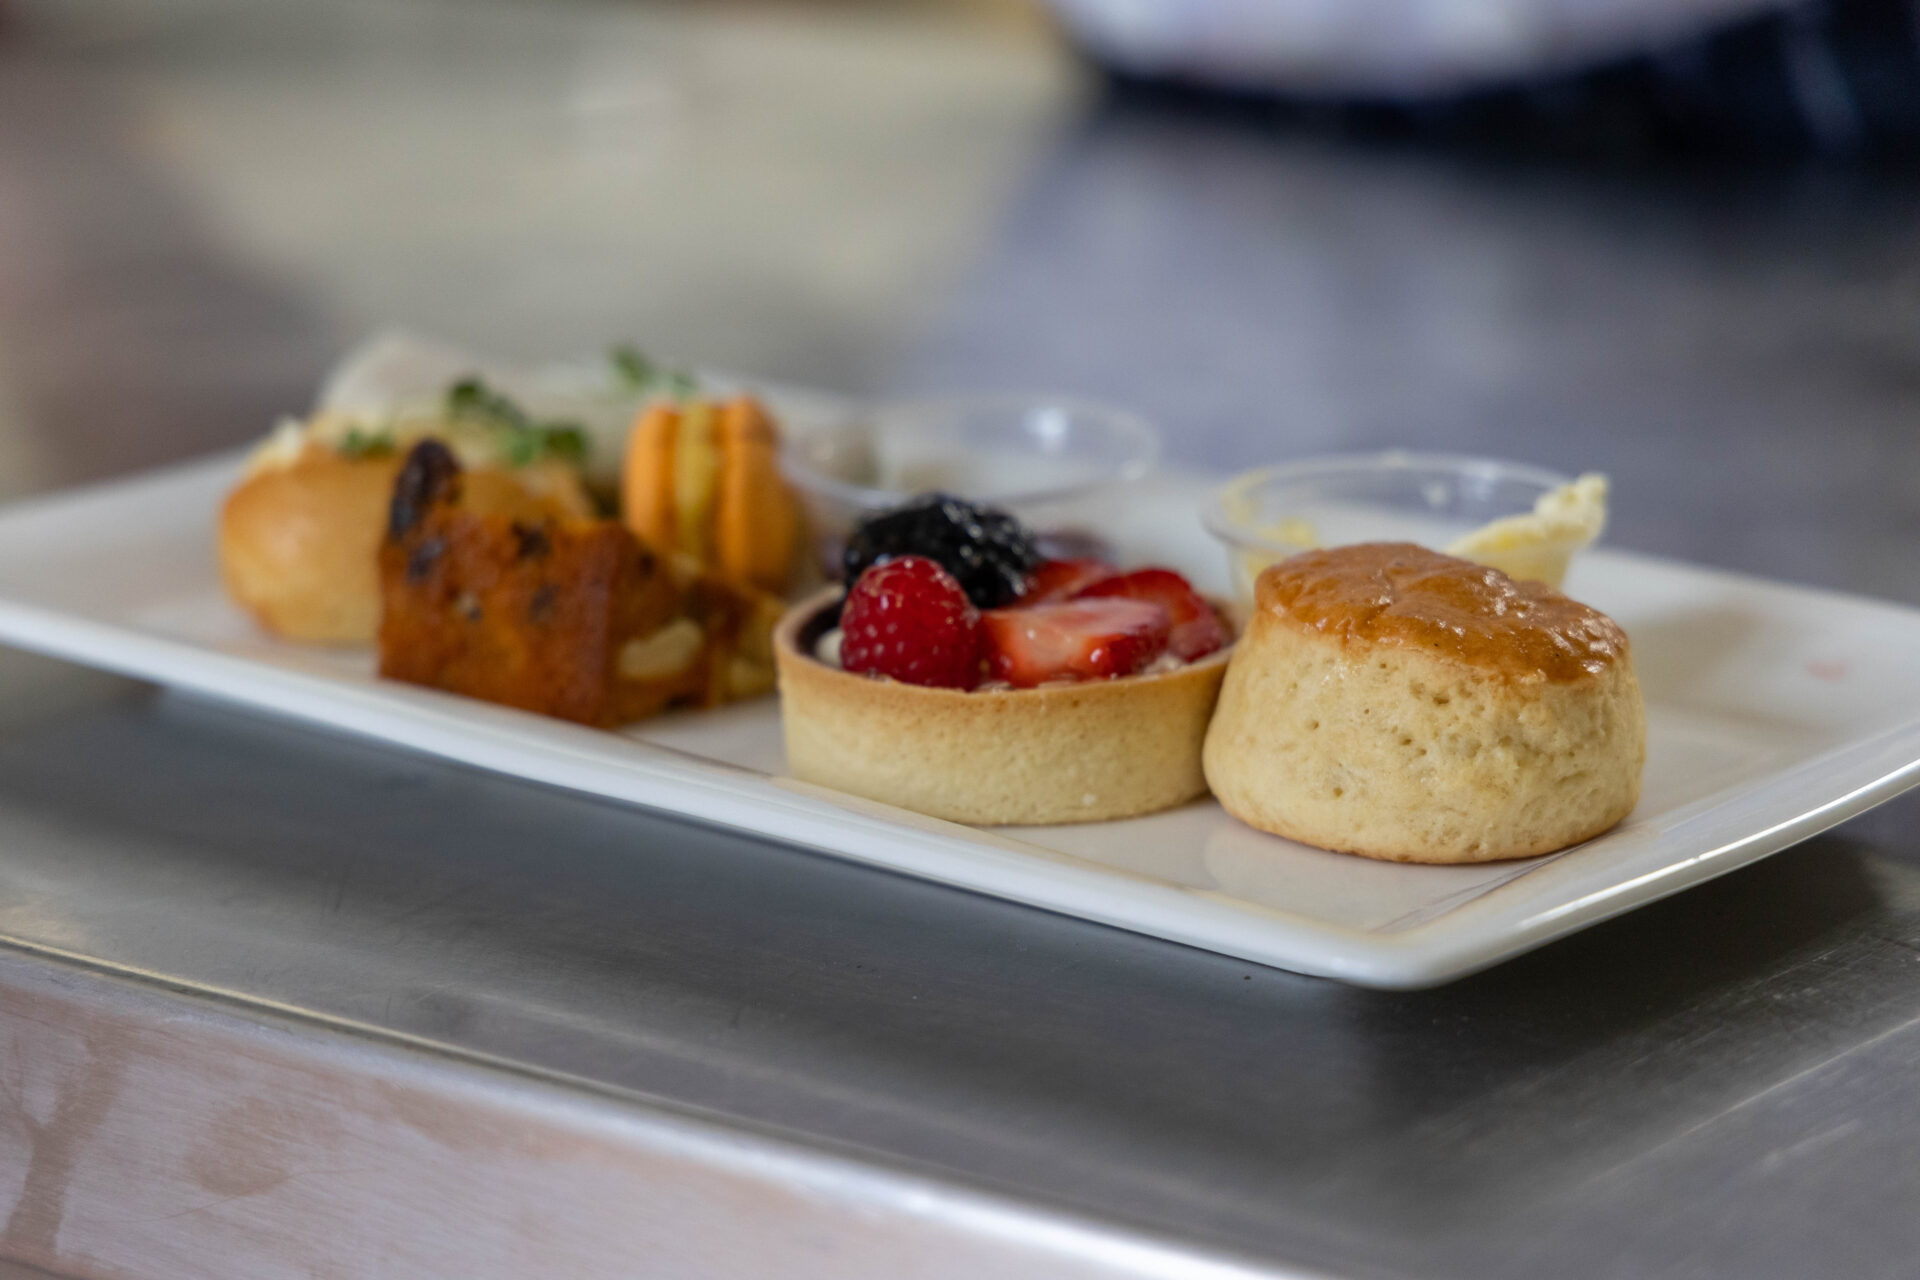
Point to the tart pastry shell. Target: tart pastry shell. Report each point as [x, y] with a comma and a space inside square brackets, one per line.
[1081, 752]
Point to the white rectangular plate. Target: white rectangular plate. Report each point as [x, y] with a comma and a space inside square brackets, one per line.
[1774, 712]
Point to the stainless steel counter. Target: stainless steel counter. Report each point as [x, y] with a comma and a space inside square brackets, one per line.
[275, 1003]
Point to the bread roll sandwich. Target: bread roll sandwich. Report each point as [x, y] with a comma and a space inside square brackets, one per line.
[298, 535]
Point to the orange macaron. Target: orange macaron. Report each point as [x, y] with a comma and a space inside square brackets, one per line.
[702, 479]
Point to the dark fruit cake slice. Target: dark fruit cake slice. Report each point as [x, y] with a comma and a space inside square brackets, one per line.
[575, 619]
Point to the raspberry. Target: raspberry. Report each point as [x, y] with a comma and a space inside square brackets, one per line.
[910, 620]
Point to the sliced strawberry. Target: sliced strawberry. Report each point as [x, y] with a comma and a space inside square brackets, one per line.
[1073, 640]
[1197, 629]
[911, 620]
[1063, 579]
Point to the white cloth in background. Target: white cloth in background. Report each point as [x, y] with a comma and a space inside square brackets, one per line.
[1397, 49]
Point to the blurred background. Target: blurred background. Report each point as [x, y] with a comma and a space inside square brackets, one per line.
[1676, 240]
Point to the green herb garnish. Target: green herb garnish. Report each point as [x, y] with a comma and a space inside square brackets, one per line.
[633, 366]
[471, 400]
[366, 444]
[522, 440]
[520, 446]
[640, 374]
[564, 440]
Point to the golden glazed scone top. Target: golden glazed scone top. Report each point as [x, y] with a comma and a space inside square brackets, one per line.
[1400, 594]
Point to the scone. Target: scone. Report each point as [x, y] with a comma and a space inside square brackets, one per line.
[1393, 702]
[1079, 751]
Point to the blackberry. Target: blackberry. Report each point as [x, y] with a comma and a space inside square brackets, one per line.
[988, 550]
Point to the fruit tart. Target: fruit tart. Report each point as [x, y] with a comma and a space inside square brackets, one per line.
[959, 673]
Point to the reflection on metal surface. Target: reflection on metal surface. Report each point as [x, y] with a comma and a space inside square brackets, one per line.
[162, 1137]
[1066, 1064]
